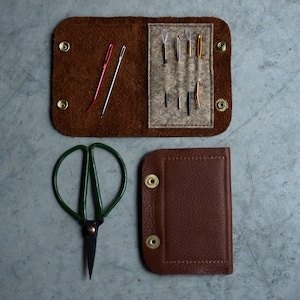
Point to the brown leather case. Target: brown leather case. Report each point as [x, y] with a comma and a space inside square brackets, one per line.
[186, 211]
[79, 48]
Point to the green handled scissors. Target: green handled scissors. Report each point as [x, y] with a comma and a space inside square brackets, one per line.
[90, 227]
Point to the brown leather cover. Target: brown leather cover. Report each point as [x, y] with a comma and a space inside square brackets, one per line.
[75, 75]
[190, 211]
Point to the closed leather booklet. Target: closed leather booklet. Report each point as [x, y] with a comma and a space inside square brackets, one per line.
[187, 212]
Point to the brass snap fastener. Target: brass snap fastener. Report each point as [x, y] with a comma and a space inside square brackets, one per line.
[221, 46]
[153, 242]
[152, 181]
[222, 105]
[62, 104]
[64, 46]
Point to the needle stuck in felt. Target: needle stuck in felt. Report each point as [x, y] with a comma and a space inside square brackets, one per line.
[166, 99]
[189, 103]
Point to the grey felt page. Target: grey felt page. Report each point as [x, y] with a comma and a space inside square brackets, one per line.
[179, 76]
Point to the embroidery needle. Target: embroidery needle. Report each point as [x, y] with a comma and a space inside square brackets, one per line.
[106, 60]
[189, 38]
[164, 35]
[198, 94]
[199, 46]
[189, 103]
[114, 79]
[166, 99]
[178, 49]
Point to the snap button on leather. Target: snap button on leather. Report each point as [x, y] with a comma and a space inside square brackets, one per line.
[153, 242]
[222, 104]
[152, 181]
[62, 104]
[64, 46]
[221, 46]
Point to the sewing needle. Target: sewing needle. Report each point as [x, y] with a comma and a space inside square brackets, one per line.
[189, 103]
[189, 38]
[198, 94]
[114, 79]
[164, 35]
[106, 60]
[178, 51]
[166, 99]
[199, 46]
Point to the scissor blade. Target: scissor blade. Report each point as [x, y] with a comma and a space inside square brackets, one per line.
[91, 251]
[90, 232]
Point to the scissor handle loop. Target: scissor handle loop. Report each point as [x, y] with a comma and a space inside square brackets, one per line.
[104, 212]
[89, 165]
[84, 178]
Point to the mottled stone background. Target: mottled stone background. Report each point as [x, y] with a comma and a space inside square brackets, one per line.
[41, 246]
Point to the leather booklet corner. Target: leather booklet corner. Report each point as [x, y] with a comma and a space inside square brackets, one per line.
[174, 78]
[186, 211]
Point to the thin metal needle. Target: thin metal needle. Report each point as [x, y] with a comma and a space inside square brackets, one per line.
[178, 50]
[198, 94]
[114, 79]
[106, 60]
[189, 38]
[189, 103]
[164, 38]
[166, 99]
[199, 46]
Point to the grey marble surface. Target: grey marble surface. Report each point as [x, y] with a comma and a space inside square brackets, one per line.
[41, 246]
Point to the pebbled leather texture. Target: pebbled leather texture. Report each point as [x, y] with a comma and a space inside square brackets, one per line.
[75, 75]
[190, 211]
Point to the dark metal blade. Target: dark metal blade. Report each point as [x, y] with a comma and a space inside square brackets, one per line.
[90, 233]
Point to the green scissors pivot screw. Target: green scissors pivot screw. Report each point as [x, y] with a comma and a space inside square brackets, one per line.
[90, 227]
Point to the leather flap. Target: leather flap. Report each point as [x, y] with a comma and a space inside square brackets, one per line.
[137, 106]
[186, 211]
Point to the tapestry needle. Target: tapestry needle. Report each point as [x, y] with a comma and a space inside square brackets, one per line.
[199, 46]
[198, 93]
[105, 64]
[166, 99]
[189, 103]
[189, 38]
[164, 35]
[114, 79]
[178, 49]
